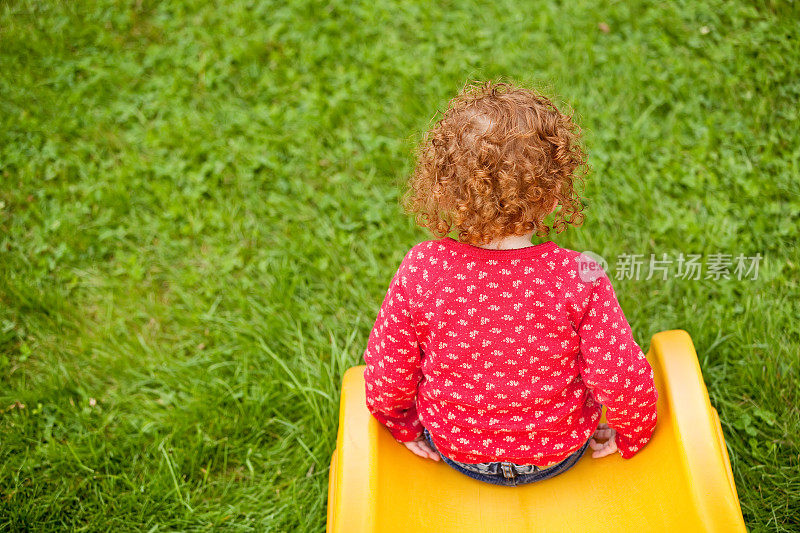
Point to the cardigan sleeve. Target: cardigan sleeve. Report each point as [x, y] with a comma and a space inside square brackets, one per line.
[615, 369]
[393, 360]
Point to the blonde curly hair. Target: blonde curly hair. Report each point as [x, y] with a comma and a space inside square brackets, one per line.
[495, 164]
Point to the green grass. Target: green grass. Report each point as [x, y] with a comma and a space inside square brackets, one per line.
[199, 219]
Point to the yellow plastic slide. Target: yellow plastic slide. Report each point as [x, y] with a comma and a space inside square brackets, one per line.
[681, 481]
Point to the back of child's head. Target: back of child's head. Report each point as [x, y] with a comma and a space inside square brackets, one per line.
[495, 165]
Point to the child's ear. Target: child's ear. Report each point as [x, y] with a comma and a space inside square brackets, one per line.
[555, 204]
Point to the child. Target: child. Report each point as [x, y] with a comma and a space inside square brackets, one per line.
[488, 351]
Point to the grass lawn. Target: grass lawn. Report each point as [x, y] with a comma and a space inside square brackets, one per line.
[199, 218]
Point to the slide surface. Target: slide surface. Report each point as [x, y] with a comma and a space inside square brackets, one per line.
[681, 481]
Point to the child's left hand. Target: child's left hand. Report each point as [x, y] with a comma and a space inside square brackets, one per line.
[422, 448]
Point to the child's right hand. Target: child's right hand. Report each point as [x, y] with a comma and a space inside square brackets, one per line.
[606, 448]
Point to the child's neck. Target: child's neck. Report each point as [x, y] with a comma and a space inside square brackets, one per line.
[510, 242]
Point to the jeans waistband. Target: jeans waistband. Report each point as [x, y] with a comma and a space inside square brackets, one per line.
[508, 469]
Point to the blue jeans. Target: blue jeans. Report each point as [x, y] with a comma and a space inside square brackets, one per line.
[510, 474]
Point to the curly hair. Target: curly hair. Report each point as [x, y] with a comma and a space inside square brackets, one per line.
[495, 165]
